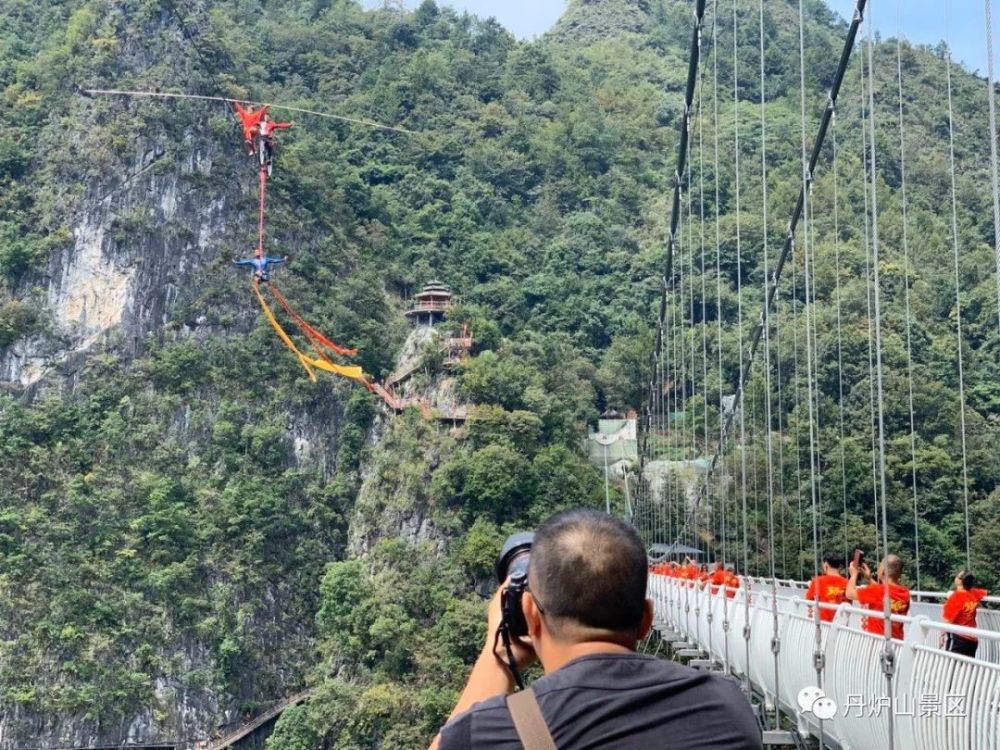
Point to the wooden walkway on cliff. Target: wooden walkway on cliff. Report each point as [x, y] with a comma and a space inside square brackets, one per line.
[245, 730]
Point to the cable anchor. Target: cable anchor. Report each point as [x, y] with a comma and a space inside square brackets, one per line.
[819, 661]
[888, 660]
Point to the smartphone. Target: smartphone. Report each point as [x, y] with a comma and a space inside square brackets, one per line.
[859, 558]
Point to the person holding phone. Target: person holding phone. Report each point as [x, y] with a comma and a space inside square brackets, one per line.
[872, 596]
[960, 609]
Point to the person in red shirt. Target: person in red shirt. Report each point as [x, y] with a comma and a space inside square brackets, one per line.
[268, 126]
[872, 595]
[829, 587]
[250, 119]
[718, 577]
[690, 570]
[960, 609]
[731, 582]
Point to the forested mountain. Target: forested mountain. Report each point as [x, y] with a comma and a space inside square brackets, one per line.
[190, 529]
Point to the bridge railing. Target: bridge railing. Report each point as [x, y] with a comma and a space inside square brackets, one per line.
[939, 699]
[954, 699]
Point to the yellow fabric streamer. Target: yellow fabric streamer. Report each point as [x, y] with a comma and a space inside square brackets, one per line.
[281, 332]
[354, 372]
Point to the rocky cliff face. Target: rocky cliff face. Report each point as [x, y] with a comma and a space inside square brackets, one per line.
[139, 244]
[145, 259]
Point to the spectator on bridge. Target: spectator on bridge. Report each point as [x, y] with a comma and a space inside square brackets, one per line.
[732, 581]
[960, 609]
[829, 587]
[586, 610]
[872, 596]
[718, 577]
[689, 570]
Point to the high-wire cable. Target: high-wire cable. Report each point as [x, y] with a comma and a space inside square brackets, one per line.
[201, 97]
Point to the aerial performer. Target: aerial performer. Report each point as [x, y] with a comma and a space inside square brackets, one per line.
[261, 265]
[250, 119]
[267, 128]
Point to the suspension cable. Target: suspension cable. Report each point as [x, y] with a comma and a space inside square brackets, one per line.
[990, 78]
[888, 653]
[807, 280]
[958, 301]
[906, 300]
[840, 338]
[869, 306]
[723, 490]
[739, 401]
[704, 334]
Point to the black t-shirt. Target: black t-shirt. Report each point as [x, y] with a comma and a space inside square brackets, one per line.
[620, 701]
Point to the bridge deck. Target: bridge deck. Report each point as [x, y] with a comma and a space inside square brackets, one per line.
[938, 699]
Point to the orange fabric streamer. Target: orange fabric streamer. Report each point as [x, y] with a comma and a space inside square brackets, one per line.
[354, 372]
[308, 329]
[303, 360]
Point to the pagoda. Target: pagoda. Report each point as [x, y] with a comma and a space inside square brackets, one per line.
[431, 304]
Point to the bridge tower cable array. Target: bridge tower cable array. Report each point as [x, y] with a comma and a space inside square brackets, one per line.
[675, 213]
[786, 251]
[777, 630]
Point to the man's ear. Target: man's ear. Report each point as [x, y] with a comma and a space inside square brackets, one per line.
[647, 619]
[532, 615]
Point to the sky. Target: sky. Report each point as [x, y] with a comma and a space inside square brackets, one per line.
[923, 21]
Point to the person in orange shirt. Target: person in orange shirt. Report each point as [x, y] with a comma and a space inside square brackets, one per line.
[960, 609]
[250, 119]
[731, 582]
[829, 587]
[718, 577]
[872, 595]
[690, 570]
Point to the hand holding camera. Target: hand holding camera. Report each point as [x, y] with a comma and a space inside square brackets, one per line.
[508, 630]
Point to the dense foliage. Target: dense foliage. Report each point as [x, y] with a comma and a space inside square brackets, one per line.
[157, 509]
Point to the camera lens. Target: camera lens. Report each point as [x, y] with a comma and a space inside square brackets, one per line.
[514, 555]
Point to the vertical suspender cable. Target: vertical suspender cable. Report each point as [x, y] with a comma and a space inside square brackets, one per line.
[722, 489]
[812, 340]
[958, 301]
[796, 383]
[868, 302]
[888, 653]
[807, 180]
[906, 302]
[990, 87]
[739, 400]
[807, 281]
[689, 416]
[840, 338]
[780, 426]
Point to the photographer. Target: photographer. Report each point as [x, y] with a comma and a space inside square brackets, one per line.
[585, 609]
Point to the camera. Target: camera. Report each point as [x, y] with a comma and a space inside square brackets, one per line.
[513, 563]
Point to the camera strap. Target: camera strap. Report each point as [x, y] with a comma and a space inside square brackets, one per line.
[529, 722]
[503, 632]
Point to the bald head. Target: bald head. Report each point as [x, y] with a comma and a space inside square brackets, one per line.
[588, 573]
[893, 567]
